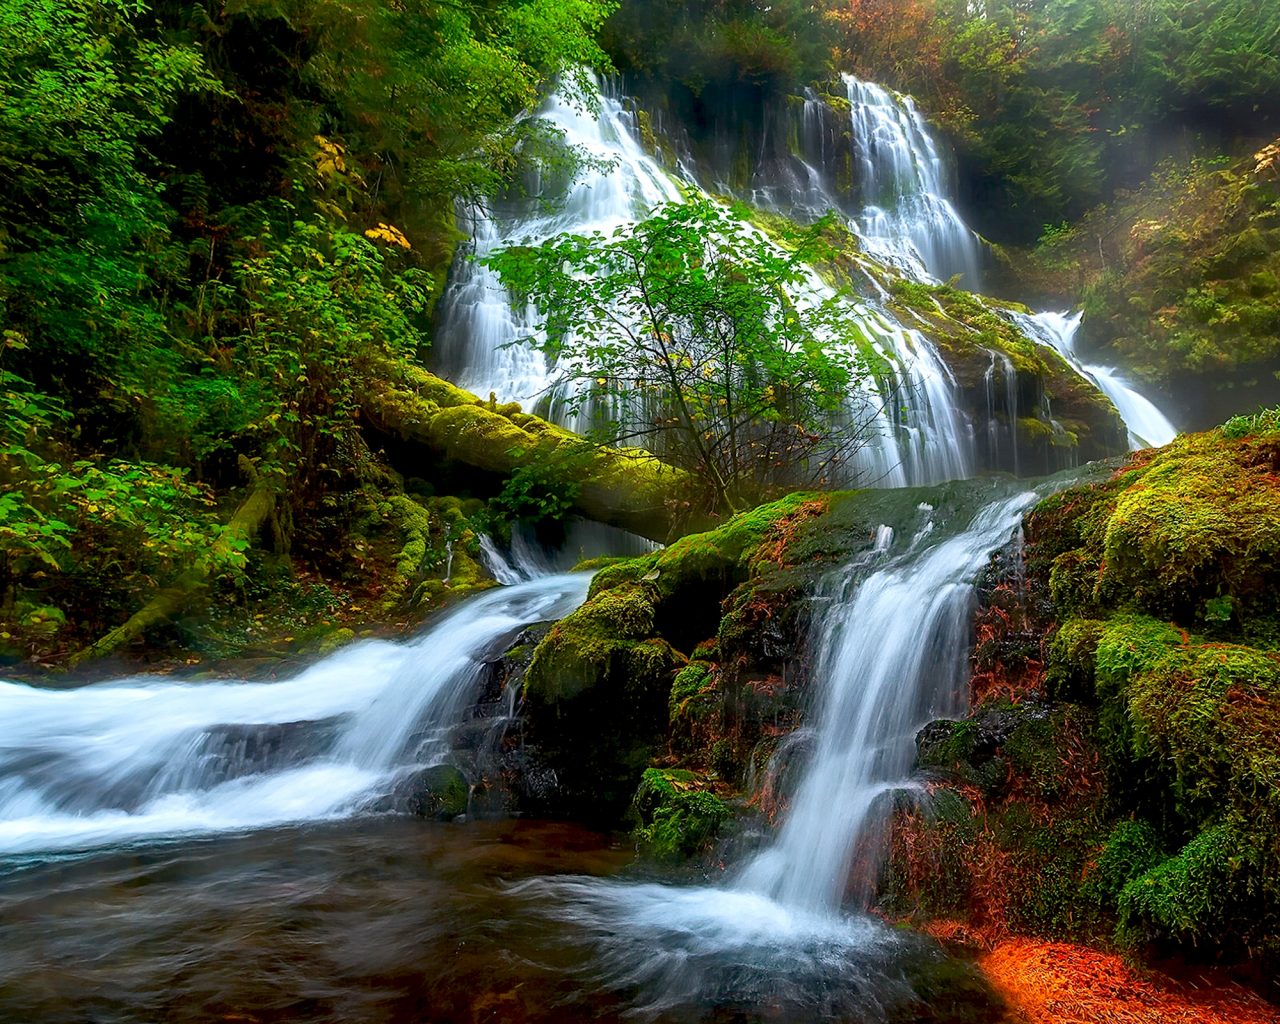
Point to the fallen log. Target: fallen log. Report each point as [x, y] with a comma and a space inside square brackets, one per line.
[624, 487]
[192, 584]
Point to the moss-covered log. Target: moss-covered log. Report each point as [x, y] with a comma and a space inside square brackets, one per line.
[628, 488]
[248, 519]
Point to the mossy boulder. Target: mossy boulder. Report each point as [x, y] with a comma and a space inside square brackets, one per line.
[440, 792]
[598, 692]
[1118, 782]
[1166, 585]
[678, 816]
[1055, 417]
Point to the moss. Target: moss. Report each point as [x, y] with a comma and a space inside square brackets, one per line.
[1132, 849]
[689, 683]
[1072, 655]
[440, 792]
[598, 643]
[626, 487]
[1186, 292]
[1219, 889]
[677, 820]
[1058, 408]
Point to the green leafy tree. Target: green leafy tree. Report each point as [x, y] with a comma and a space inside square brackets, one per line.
[694, 333]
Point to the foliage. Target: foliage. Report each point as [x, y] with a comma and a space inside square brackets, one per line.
[1181, 280]
[322, 303]
[1264, 421]
[693, 333]
[1057, 103]
[217, 222]
[721, 47]
[543, 489]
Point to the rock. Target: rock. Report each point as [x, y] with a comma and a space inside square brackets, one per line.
[440, 792]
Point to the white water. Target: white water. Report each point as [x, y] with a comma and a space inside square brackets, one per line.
[914, 432]
[891, 655]
[525, 558]
[1148, 427]
[891, 645]
[478, 324]
[149, 757]
[907, 219]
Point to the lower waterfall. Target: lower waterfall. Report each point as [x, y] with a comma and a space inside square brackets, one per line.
[149, 758]
[890, 643]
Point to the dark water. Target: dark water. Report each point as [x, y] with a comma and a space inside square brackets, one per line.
[399, 920]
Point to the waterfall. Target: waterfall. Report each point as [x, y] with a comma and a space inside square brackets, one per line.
[891, 642]
[146, 757]
[616, 185]
[913, 430]
[1148, 426]
[907, 219]
[891, 654]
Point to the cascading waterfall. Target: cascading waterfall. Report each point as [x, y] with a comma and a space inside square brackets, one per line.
[146, 757]
[906, 218]
[478, 323]
[914, 432]
[891, 648]
[1146, 424]
[891, 654]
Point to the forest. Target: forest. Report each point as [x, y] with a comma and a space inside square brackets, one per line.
[679, 510]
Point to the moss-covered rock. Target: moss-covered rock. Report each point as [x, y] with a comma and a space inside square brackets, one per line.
[678, 816]
[1055, 417]
[599, 698]
[1145, 796]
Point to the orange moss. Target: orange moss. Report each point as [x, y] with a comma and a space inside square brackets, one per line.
[1057, 983]
[782, 531]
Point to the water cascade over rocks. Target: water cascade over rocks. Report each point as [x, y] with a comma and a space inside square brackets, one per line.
[146, 758]
[143, 758]
[890, 645]
[1148, 426]
[898, 205]
[906, 218]
[915, 432]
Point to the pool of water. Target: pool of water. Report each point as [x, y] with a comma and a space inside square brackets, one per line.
[400, 920]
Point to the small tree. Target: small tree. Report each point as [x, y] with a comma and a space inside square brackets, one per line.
[696, 335]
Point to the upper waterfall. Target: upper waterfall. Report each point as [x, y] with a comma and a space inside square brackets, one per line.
[479, 322]
[898, 203]
[906, 216]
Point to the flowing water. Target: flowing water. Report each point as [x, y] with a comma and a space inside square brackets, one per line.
[152, 757]
[907, 218]
[890, 647]
[193, 850]
[1148, 427]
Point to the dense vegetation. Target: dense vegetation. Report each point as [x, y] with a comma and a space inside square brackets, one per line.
[217, 221]
[1056, 103]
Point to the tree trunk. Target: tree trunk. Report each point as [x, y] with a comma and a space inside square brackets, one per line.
[628, 488]
[248, 519]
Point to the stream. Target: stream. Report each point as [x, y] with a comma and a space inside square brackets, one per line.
[195, 850]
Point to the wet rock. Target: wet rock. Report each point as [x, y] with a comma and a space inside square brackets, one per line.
[440, 792]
